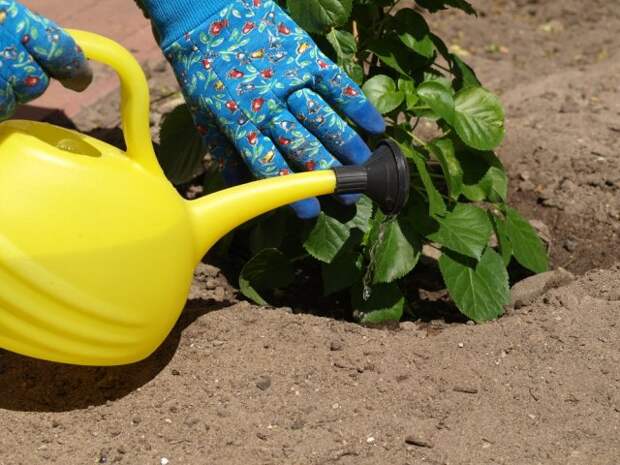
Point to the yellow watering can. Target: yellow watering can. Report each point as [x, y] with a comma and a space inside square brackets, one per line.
[97, 249]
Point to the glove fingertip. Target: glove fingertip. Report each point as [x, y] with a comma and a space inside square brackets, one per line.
[80, 79]
[367, 117]
[348, 199]
[306, 209]
[355, 151]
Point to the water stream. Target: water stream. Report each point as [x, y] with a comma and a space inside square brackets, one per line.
[372, 257]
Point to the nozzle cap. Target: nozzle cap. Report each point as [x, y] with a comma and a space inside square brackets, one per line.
[384, 178]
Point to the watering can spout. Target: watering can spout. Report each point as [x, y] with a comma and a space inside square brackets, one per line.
[384, 178]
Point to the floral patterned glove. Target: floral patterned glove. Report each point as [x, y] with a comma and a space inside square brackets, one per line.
[248, 70]
[32, 49]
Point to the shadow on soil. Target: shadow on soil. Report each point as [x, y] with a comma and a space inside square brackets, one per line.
[31, 385]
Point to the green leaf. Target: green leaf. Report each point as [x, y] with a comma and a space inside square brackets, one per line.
[527, 247]
[393, 54]
[466, 230]
[412, 30]
[417, 215]
[407, 87]
[479, 118]
[362, 217]
[396, 249]
[431, 75]
[345, 269]
[326, 238]
[436, 5]
[382, 92]
[439, 98]
[269, 232]
[443, 150]
[318, 16]
[344, 44]
[181, 162]
[355, 71]
[213, 181]
[484, 176]
[479, 289]
[503, 239]
[386, 303]
[435, 201]
[466, 77]
[269, 269]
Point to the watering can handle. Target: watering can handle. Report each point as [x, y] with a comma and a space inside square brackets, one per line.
[135, 100]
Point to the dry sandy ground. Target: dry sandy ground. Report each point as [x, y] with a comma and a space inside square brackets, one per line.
[236, 384]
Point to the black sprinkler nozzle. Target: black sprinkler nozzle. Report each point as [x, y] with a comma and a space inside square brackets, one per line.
[384, 178]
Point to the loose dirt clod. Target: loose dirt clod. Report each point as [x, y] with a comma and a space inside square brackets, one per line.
[528, 290]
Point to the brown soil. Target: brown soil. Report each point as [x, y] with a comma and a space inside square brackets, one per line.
[239, 384]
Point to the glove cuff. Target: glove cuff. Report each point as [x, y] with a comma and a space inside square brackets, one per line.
[173, 18]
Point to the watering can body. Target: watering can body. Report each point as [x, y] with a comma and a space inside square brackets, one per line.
[96, 253]
[97, 249]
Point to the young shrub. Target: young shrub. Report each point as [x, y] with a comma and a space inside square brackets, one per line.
[458, 199]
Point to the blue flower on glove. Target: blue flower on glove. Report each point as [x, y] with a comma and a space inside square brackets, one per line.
[250, 72]
[32, 49]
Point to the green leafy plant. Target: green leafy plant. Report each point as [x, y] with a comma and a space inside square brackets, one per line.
[447, 125]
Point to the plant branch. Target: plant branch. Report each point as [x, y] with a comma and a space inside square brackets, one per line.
[418, 140]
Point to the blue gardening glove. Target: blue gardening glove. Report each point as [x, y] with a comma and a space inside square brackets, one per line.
[33, 49]
[246, 68]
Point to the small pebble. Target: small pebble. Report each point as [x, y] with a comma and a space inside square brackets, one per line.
[465, 389]
[335, 346]
[570, 245]
[164, 461]
[419, 441]
[263, 383]
[298, 424]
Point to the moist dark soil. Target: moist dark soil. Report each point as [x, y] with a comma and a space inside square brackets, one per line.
[239, 384]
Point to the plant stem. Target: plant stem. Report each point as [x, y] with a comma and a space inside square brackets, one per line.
[442, 68]
[418, 140]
